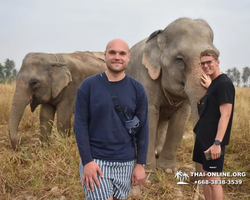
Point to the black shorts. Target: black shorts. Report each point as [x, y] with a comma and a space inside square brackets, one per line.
[199, 157]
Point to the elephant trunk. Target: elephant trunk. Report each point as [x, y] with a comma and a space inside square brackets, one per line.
[20, 101]
[194, 90]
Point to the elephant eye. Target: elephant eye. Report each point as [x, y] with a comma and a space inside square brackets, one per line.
[179, 61]
[34, 83]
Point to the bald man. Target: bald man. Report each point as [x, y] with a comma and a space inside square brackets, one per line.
[112, 156]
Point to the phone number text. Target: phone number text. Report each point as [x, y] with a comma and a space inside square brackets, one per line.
[218, 182]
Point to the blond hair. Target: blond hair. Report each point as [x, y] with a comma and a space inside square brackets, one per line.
[209, 52]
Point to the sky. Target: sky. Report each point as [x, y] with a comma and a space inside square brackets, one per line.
[65, 26]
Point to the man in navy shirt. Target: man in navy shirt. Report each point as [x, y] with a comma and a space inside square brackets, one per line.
[111, 158]
[214, 125]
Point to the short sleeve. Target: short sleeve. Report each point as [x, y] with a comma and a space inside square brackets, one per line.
[226, 93]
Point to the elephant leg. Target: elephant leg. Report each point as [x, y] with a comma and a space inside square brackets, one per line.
[176, 128]
[47, 114]
[153, 119]
[64, 114]
[160, 137]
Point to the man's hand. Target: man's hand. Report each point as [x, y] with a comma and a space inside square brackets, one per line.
[138, 175]
[215, 151]
[205, 80]
[90, 175]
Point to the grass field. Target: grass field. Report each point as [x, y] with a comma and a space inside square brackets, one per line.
[40, 172]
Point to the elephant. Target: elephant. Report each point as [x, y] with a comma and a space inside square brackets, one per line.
[51, 80]
[167, 64]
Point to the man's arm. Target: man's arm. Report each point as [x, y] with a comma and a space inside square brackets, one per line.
[81, 124]
[143, 133]
[81, 129]
[225, 111]
[138, 175]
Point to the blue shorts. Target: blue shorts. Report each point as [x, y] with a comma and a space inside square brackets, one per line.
[116, 182]
[199, 157]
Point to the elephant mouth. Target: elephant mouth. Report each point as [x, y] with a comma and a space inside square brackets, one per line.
[173, 99]
[33, 103]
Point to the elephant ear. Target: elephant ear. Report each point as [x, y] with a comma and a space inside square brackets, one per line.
[61, 77]
[152, 53]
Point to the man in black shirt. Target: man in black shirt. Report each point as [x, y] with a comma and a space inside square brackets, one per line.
[214, 125]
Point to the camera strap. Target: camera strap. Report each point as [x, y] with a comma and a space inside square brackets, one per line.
[114, 98]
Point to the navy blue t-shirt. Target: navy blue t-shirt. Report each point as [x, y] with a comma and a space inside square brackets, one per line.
[99, 131]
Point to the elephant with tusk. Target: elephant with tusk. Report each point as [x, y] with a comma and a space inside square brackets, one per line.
[51, 80]
[167, 64]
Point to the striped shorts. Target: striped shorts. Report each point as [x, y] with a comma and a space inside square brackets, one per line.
[116, 181]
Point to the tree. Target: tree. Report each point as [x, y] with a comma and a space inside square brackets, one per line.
[7, 71]
[9, 67]
[14, 73]
[230, 74]
[2, 74]
[245, 76]
[234, 75]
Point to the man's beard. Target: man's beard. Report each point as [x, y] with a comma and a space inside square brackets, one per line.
[116, 70]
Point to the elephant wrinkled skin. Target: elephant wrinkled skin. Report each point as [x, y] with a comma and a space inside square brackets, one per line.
[167, 64]
[51, 80]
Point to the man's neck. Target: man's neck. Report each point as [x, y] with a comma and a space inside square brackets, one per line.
[113, 77]
[215, 75]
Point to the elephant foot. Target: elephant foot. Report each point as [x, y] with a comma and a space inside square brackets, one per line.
[170, 171]
[16, 146]
[168, 166]
[150, 167]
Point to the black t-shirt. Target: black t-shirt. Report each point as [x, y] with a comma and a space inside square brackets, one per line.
[220, 91]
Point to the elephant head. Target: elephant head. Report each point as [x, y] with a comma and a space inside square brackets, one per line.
[167, 64]
[40, 80]
[173, 54]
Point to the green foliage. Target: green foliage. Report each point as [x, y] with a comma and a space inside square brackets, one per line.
[245, 76]
[234, 75]
[7, 71]
[237, 78]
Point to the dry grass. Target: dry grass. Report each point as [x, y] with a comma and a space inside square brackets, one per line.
[51, 172]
